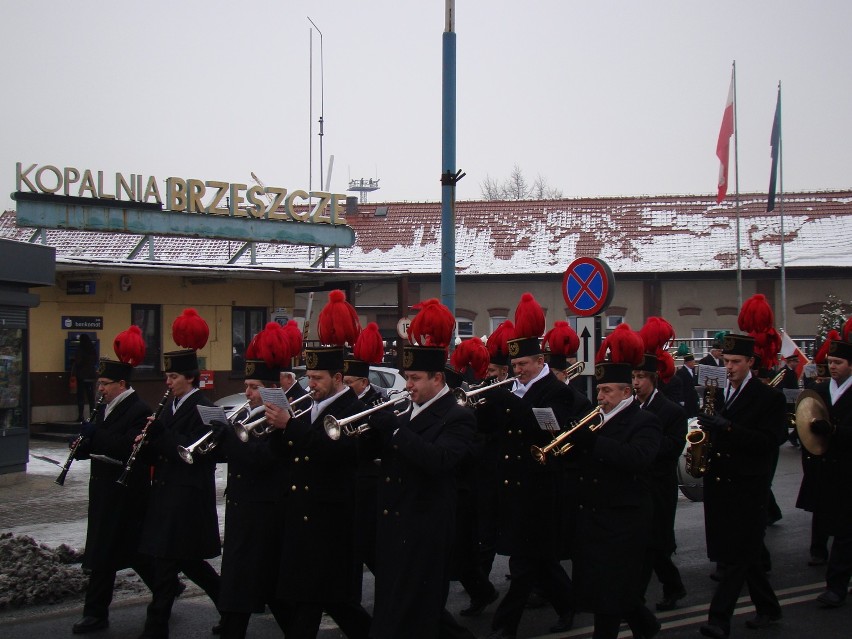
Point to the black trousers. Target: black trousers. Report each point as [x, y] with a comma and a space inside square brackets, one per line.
[164, 590]
[641, 622]
[235, 623]
[819, 536]
[728, 591]
[527, 573]
[305, 618]
[102, 583]
[839, 569]
[660, 563]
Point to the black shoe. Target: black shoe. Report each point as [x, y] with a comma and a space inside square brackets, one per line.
[564, 623]
[712, 630]
[180, 588]
[217, 629]
[830, 599]
[669, 602]
[816, 561]
[761, 620]
[89, 624]
[501, 634]
[651, 631]
[478, 605]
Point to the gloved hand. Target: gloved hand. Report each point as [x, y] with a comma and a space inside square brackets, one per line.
[821, 427]
[713, 423]
[219, 426]
[87, 429]
[383, 421]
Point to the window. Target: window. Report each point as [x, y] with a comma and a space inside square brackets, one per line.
[465, 328]
[613, 320]
[246, 322]
[147, 318]
[496, 320]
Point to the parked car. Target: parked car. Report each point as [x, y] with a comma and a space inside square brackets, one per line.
[381, 376]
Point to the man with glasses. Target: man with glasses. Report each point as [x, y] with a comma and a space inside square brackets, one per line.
[115, 512]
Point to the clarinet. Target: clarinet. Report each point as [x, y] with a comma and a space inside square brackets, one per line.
[138, 445]
[60, 481]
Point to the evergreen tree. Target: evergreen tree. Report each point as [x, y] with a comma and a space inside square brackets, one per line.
[832, 317]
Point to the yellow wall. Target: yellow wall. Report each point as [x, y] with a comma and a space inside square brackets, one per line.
[213, 301]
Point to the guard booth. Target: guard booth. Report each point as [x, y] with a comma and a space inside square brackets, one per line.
[22, 265]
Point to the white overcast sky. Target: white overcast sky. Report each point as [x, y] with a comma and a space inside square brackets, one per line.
[598, 97]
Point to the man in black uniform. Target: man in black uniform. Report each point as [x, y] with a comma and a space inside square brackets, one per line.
[535, 522]
[614, 509]
[317, 563]
[252, 548]
[420, 452]
[714, 357]
[115, 512]
[663, 483]
[833, 493]
[181, 528]
[687, 374]
[744, 437]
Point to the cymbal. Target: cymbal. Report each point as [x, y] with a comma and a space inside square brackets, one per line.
[810, 406]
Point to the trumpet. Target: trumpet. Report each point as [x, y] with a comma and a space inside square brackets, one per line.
[575, 370]
[258, 427]
[334, 427]
[560, 444]
[202, 446]
[773, 383]
[469, 397]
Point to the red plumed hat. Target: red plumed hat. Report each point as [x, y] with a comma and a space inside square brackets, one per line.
[498, 342]
[656, 334]
[846, 331]
[471, 354]
[756, 315]
[338, 324]
[561, 339]
[189, 330]
[766, 347]
[529, 318]
[129, 346]
[623, 345]
[370, 347]
[822, 353]
[273, 346]
[432, 326]
[620, 353]
[665, 365]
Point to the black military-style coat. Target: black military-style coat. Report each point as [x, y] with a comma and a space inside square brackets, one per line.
[251, 548]
[181, 522]
[534, 500]
[827, 479]
[116, 512]
[690, 395]
[663, 472]
[416, 517]
[736, 486]
[318, 507]
[614, 511]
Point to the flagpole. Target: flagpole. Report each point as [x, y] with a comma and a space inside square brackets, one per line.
[781, 213]
[737, 197]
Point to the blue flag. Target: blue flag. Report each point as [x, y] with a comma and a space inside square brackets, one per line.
[775, 144]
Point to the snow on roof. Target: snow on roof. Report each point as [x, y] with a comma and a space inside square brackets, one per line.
[639, 234]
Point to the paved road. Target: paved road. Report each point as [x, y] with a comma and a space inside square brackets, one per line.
[55, 515]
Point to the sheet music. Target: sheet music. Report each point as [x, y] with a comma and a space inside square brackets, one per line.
[546, 419]
[274, 396]
[211, 413]
[719, 374]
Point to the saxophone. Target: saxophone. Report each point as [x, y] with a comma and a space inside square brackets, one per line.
[698, 451]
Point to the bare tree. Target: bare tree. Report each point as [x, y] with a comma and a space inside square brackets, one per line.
[516, 187]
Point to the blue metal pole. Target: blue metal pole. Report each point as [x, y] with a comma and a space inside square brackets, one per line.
[448, 162]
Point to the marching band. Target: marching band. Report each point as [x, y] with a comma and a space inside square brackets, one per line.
[490, 451]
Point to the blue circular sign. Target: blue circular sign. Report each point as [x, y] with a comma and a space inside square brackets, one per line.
[588, 286]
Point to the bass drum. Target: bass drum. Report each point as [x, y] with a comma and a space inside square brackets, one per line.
[691, 487]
